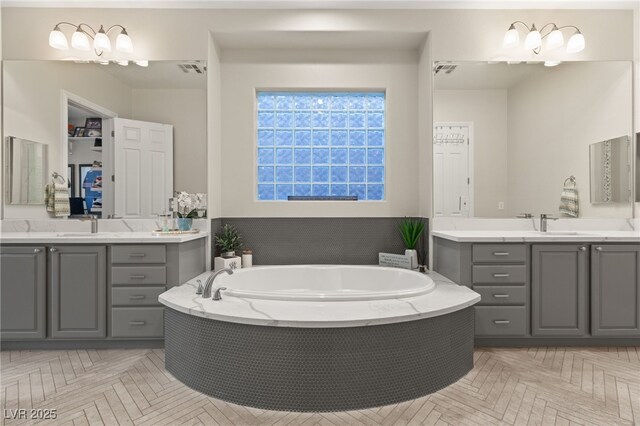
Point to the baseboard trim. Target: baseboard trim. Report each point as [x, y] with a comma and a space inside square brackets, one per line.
[555, 341]
[81, 344]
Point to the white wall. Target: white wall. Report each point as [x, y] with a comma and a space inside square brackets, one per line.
[553, 118]
[32, 107]
[186, 110]
[240, 80]
[487, 109]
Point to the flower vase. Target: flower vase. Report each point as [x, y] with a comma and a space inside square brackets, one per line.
[413, 255]
[185, 223]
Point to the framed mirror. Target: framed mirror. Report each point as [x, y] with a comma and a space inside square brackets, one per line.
[25, 171]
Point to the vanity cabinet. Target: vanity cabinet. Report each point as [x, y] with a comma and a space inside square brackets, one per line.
[78, 291]
[559, 289]
[23, 293]
[615, 290]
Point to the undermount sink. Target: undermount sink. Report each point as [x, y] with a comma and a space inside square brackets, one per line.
[562, 233]
[79, 234]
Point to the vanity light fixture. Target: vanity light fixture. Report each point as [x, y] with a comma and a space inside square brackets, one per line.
[82, 34]
[553, 35]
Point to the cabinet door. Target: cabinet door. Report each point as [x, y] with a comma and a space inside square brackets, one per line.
[23, 293]
[78, 291]
[615, 290]
[559, 287]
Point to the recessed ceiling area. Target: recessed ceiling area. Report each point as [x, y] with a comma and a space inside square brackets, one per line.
[486, 76]
[321, 40]
[159, 75]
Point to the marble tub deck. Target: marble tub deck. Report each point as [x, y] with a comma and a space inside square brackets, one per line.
[447, 297]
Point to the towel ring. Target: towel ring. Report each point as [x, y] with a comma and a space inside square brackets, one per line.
[56, 175]
[571, 178]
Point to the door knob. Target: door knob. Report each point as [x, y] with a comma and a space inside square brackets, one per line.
[583, 248]
[37, 250]
[53, 249]
[598, 248]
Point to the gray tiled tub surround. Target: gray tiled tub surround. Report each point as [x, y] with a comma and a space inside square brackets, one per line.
[319, 240]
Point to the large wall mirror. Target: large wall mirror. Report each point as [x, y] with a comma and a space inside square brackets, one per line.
[514, 138]
[124, 137]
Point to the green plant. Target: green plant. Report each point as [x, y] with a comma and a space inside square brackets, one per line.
[410, 230]
[228, 239]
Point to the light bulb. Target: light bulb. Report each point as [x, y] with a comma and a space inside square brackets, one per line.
[123, 42]
[576, 43]
[511, 38]
[80, 41]
[555, 38]
[101, 42]
[533, 40]
[142, 62]
[57, 39]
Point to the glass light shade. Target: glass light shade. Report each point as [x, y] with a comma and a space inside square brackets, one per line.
[576, 43]
[101, 42]
[555, 39]
[58, 40]
[122, 62]
[142, 62]
[551, 63]
[511, 38]
[80, 40]
[533, 40]
[123, 43]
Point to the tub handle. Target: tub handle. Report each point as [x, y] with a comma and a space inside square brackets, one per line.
[501, 253]
[137, 322]
[501, 296]
[501, 322]
[500, 275]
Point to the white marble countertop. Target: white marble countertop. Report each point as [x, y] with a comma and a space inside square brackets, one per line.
[445, 298]
[99, 238]
[585, 236]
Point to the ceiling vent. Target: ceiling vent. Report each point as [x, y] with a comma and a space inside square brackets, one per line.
[194, 68]
[444, 68]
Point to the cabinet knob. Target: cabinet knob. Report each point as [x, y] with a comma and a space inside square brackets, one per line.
[53, 249]
[598, 248]
[37, 250]
[583, 248]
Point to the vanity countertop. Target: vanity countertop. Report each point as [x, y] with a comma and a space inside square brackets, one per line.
[99, 238]
[447, 297]
[513, 236]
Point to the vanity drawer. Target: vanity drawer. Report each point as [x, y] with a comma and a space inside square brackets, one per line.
[494, 274]
[123, 296]
[500, 321]
[499, 253]
[137, 322]
[138, 275]
[501, 294]
[143, 253]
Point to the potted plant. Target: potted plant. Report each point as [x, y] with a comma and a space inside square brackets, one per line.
[228, 240]
[187, 208]
[411, 229]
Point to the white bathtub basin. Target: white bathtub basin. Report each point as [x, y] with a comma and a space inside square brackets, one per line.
[325, 283]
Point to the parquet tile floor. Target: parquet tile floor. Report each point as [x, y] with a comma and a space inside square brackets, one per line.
[510, 386]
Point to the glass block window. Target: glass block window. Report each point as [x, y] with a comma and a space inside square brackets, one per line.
[320, 144]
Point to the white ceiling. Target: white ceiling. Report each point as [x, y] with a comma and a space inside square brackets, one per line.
[481, 75]
[158, 75]
[331, 4]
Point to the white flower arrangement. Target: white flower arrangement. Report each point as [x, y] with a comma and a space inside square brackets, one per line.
[187, 205]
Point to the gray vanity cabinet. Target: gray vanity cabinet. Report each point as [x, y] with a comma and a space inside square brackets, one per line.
[559, 289]
[78, 291]
[23, 291]
[615, 290]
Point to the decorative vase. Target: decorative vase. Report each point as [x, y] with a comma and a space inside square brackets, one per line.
[185, 223]
[413, 254]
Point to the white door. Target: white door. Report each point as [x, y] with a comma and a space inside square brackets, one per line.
[452, 190]
[143, 168]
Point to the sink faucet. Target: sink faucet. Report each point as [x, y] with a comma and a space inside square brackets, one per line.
[94, 222]
[543, 221]
[206, 293]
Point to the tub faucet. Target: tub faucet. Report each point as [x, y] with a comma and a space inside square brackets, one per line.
[206, 293]
[543, 221]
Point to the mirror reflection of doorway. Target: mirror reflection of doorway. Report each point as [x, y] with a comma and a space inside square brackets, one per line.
[452, 165]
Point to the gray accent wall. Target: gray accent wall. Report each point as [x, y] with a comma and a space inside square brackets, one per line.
[318, 240]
